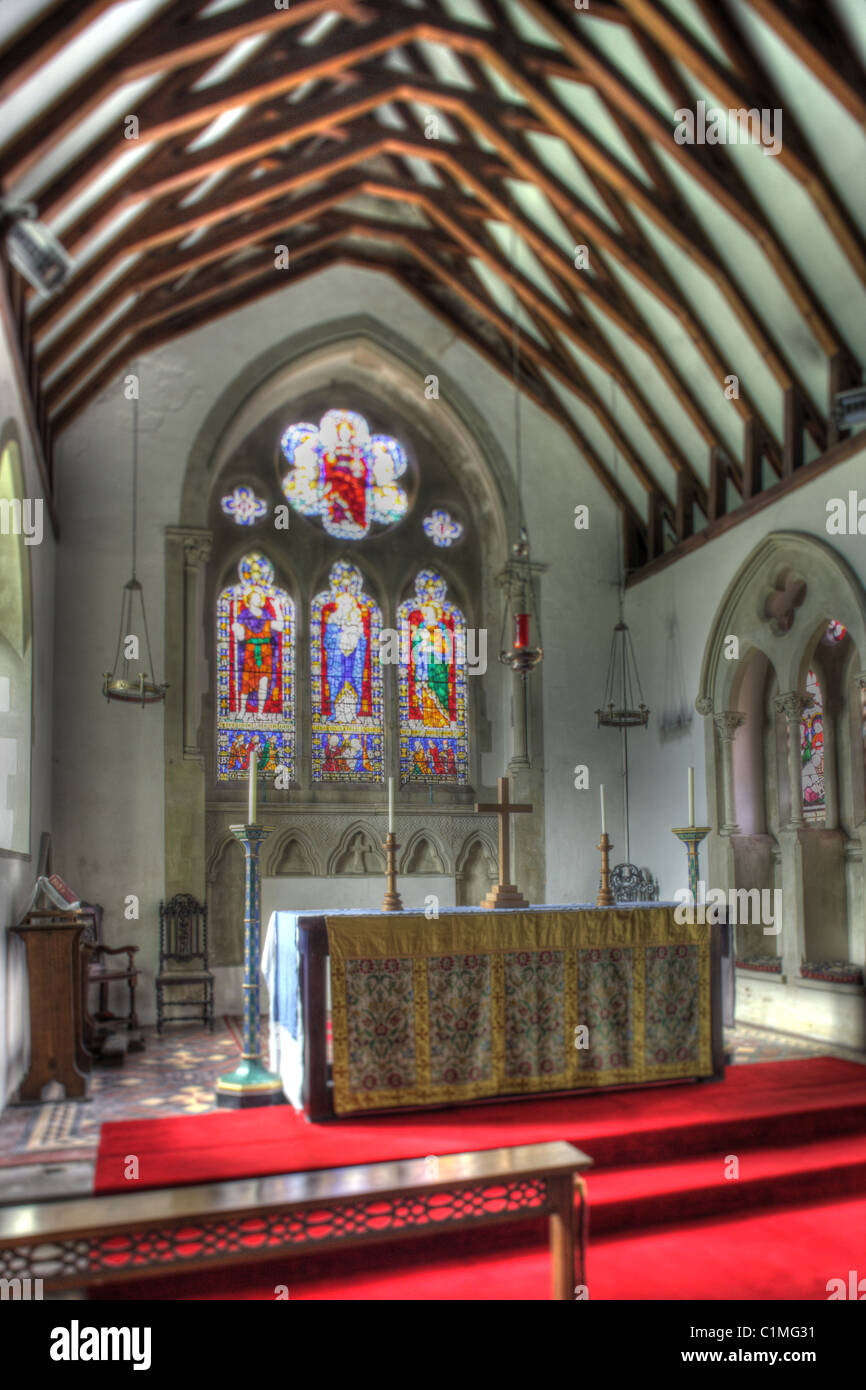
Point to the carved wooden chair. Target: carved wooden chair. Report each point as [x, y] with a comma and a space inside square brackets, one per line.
[102, 972]
[182, 943]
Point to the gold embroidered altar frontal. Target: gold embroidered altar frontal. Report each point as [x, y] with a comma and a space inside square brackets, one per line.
[510, 1003]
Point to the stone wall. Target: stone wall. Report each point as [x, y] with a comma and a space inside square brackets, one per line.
[130, 811]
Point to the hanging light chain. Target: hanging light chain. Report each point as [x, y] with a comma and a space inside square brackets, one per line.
[135, 467]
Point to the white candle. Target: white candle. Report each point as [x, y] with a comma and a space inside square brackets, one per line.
[390, 805]
[691, 796]
[603, 815]
[254, 758]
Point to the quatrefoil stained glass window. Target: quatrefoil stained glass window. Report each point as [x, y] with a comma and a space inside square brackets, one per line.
[343, 476]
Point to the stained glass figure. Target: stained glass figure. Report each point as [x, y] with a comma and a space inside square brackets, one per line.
[836, 632]
[348, 713]
[812, 750]
[244, 507]
[432, 685]
[343, 475]
[441, 528]
[255, 673]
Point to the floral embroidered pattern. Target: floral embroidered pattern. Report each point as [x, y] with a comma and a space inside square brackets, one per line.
[534, 1013]
[379, 1008]
[605, 1003]
[671, 1004]
[458, 990]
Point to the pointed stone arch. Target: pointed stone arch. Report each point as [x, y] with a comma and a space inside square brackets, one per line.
[225, 899]
[779, 563]
[477, 869]
[423, 855]
[358, 852]
[293, 852]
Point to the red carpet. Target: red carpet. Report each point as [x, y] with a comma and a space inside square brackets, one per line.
[797, 1128]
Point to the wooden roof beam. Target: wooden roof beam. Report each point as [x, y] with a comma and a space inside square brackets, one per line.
[675, 41]
[611, 84]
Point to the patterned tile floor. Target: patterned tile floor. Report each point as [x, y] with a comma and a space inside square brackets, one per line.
[176, 1074]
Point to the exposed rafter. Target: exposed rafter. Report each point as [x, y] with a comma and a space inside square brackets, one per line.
[326, 150]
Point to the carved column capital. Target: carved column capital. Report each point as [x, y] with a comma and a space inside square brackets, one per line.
[196, 550]
[860, 679]
[791, 705]
[727, 723]
[704, 704]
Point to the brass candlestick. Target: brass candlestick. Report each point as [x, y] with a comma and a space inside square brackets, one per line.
[392, 902]
[605, 896]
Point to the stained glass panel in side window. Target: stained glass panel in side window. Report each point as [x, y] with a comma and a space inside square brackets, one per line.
[255, 673]
[812, 750]
[348, 715]
[432, 685]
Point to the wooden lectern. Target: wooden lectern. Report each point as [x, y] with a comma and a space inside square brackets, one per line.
[52, 941]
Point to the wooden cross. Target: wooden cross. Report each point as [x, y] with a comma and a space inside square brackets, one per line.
[505, 894]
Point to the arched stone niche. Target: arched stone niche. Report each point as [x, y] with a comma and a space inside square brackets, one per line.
[477, 870]
[225, 900]
[753, 698]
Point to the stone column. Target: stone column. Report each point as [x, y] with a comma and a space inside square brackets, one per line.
[196, 552]
[792, 705]
[727, 723]
[187, 548]
[832, 799]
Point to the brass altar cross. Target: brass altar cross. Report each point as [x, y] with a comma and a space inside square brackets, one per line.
[505, 894]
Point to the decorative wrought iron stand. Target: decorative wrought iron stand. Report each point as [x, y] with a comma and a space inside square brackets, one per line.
[251, 1083]
[691, 836]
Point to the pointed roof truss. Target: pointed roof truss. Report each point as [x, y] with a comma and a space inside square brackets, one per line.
[686, 310]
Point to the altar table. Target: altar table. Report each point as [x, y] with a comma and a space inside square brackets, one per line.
[478, 1005]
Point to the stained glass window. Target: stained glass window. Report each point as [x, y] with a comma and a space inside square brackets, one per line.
[244, 507]
[441, 528]
[812, 750]
[255, 673]
[432, 685]
[348, 718]
[836, 632]
[343, 475]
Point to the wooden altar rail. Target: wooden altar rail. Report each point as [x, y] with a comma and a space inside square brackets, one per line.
[177, 1230]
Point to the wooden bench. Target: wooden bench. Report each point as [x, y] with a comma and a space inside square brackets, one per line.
[103, 1240]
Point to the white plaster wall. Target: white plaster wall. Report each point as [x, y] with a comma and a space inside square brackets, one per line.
[691, 590]
[18, 872]
[109, 777]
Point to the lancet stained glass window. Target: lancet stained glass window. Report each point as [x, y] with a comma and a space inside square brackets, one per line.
[343, 475]
[255, 673]
[348, 715]
[812, 750]
[432, 685]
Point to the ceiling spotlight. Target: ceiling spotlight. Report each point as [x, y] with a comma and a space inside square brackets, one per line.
[34, 249]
